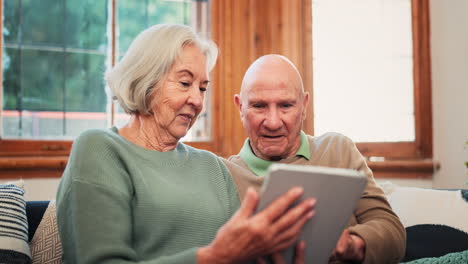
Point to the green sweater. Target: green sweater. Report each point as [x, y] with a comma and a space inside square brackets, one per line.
[120, 203]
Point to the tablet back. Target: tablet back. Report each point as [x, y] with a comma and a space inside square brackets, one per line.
[337, 192]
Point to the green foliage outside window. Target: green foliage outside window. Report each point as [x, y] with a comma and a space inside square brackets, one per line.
[55, 51]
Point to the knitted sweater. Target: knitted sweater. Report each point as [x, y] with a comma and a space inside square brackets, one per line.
[373, 220]
[120, 203]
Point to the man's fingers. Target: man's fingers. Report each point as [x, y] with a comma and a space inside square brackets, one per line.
[343, 243]
[278, 258]
[300, 253]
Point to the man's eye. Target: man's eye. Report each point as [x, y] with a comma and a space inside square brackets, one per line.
[286, 105]
[258, 105]
[185, 84]
[203, 89]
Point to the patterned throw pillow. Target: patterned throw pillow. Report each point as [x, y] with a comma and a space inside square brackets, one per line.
[14, 246]
[46, 247]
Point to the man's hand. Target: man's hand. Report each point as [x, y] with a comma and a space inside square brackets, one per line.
[349, 248]
[277, 258]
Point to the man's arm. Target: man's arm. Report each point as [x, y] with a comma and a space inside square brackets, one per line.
[377, 224]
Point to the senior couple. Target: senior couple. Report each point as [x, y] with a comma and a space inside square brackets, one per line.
[136, 194]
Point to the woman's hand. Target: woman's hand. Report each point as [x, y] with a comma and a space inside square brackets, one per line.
[349, 248]
[277, 258]
[247, 236]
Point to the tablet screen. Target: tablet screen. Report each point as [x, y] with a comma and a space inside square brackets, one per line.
[337, 192]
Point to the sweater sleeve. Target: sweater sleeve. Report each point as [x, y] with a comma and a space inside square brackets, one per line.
[94, 209]
[232, 191]
[377, 224]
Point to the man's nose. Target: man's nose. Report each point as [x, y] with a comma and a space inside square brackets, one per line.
[273, 120]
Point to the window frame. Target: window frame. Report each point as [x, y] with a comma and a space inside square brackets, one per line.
[421, 147]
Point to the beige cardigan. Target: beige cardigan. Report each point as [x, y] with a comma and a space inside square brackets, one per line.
[373, 220]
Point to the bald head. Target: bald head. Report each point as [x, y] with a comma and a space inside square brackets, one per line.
[272, 66]
[272, 105]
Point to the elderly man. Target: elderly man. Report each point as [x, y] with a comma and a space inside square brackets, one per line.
[272, 105]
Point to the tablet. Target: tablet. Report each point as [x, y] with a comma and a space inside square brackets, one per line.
[337, 192]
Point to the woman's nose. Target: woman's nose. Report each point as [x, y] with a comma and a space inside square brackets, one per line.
[196, 98]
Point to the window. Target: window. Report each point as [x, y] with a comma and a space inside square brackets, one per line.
[54, 56]
[370, 75]
[245, 30]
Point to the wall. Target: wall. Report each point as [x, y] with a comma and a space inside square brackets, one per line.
[449, 46]
[38, 189]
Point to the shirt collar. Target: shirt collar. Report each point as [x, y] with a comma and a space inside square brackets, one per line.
[260, 166]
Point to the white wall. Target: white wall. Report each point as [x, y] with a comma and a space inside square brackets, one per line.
[38, 189]
[449, 51]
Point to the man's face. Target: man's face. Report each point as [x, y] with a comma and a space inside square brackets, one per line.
[272, 108]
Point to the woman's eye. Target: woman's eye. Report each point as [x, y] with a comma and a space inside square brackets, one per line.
[185, 84]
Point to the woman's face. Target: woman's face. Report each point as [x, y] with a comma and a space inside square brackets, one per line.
[179, 99]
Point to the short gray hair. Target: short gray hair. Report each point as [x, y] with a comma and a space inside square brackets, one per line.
[147, 61]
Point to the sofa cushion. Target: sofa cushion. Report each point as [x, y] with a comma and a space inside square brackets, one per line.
[434, 241]
[46, 246]
[35, 211]
[14, 246]
[435, 220]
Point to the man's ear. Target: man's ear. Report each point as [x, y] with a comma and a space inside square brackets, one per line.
[238, 102]
[306, 104]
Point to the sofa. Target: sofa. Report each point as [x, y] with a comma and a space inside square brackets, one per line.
[28, 230]
[436, 222]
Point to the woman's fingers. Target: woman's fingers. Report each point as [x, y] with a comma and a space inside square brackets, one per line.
[248, 204]
[303, 209]
[280, 205]
[290, 235]
[268, 231]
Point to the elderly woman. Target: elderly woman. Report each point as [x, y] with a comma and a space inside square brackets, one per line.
[137, 195]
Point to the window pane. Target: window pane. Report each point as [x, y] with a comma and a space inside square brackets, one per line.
[86, 25]
[55, 55]
[363, 69]
[42, 22]
[42, 80]
[135, 16]
[85, 97]
[53, 68]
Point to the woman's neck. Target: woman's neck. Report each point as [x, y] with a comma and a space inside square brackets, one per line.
[144, 132]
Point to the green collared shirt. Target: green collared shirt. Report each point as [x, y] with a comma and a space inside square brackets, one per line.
[260, 166]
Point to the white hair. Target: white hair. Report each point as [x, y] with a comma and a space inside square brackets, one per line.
[147, 61]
